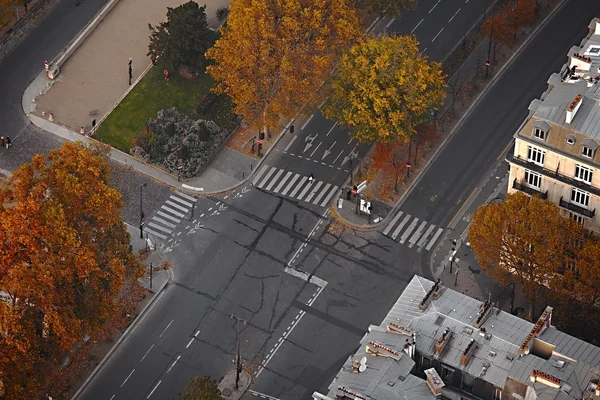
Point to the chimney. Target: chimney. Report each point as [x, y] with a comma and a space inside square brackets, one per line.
[546, 379]
[434, 381]
[484, 312]
[466, 355]
[579, 61]
[442, 341]
[573, 108]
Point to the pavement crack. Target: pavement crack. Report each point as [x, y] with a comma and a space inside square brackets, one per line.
[181, 285]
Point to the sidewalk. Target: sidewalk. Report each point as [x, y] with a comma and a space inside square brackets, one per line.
[160, 278]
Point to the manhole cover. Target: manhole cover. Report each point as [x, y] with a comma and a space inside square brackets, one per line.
[94, 113]
[226, 392]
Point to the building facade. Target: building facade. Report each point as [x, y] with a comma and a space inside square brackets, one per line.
[555, 155]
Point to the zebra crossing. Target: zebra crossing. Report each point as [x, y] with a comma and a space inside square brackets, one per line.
[177, 207]
[409, 230]
[296, 186]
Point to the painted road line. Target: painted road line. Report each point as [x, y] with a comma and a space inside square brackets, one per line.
[415, 28]
[305, 276]
[457, 11]
[177, 206]
[322, 193]
[433, 240]
[425, 236]
[259, 174]
[433, 40]
[174, 362]
[305, 190]
[313, 191]
[285, 178]
[315, 150]
[307, 121]
[128, 376]
[271, 172]
[181, 201]
[424, 50]
[289, 186]
[158, 235]
[290, 143]
[413, 239]
[391, 224]
[334, 125]
[275, 179]
[262, 395]
[162, 214]
[341, 152]
[434, 6]
[329, 196]
[162, 221]
[153, 390]
[390, 23]
[186, 196]
[300, 184]
[466, 204]
[409, 230]
[147, 353]
[160, 228]
[163, 332]
[399, 228]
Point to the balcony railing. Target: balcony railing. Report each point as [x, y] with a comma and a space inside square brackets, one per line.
[569, 180]
[576, 208]
[529, 190]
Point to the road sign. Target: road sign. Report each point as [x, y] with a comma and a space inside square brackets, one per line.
[365, 206]
[408, 164]
[361, 187]
[488, 62]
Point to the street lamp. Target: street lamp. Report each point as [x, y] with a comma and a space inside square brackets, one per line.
[142, 210]
[238, 367]
[408, 164]
[487, 61]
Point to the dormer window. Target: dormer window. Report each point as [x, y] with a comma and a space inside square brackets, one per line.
[540, 130]
[570, 139]
[588, 148]
[540, 134]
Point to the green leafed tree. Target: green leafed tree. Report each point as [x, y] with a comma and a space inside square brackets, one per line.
[522, 240]
[183, 39]
[384, 88]
[201, 389]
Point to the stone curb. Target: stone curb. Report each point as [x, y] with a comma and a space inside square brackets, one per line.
[125, 335]
[437, 152]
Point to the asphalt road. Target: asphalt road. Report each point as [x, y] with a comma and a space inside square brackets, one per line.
[322, 147]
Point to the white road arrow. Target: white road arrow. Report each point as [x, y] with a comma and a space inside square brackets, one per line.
[328, 151]
[352, 155]
[198, 226]
[245, 190]
[222, 207]
[309, 140]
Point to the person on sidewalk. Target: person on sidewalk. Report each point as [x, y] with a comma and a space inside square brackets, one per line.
[166, 74]
[8, 142]
[2, 141]
[153, 59]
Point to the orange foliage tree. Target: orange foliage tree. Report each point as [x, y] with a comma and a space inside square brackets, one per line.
[503, 26]
[64, 256]
[389, 159]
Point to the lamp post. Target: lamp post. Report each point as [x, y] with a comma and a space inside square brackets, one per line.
[238, 367]
[487, 61]
[142, 210]
[408, 165]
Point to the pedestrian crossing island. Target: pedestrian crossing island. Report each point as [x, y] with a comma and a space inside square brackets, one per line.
[294, 185]
[177, 207]
[409, 230]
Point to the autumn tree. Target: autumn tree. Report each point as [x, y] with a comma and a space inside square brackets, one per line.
[384, 88]
[63, 260]
[183, 39]
[496, 29]
[274, 55]
[201, 389]
[391, 8]
[390, 159]
[522, 240]
[6, 12]
[519, 14]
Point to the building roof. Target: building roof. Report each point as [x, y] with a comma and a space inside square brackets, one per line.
[498, 348]
[564, 88]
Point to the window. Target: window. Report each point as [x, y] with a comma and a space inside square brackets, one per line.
[593, 50]
[540, 134]
[536, 155]
[467, 383]
[498, 394]
[583, 174]
[570, 140]
[580, 197]
[533, 179]
[447, 374]
[587, 152]
[577, 218]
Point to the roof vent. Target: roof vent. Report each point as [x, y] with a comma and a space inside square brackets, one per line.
[492, 353]
[566, 388]
[559, 363]
[510, 357]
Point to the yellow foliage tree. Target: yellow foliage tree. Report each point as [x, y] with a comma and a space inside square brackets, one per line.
[385, 88]
[275, 54]
[64, 256]
[522, 240]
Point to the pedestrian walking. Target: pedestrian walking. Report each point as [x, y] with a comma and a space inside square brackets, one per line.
[153, 59]
[8, 142]
[166, 74]
[2, 141]
[46, 66]
[310, 178]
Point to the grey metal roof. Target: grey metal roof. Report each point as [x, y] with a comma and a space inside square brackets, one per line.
[495, 357]
[552, 107]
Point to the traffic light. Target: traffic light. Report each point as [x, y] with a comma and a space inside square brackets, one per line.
[291, 128]
[261, 135]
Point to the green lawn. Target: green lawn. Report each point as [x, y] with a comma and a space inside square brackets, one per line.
[153, 94]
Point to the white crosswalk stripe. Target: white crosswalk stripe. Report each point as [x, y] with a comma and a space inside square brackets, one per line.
[411, 231]
[164, 222]
[290, 184]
